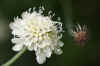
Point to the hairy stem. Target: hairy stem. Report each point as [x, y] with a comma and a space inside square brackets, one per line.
[13, 59]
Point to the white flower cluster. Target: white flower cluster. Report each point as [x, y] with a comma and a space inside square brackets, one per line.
[38, 33]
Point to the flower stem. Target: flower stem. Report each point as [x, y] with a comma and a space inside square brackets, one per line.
[13, 59]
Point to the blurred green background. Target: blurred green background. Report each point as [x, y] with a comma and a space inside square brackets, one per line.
[76, 11]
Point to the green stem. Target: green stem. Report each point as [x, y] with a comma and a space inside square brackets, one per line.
[13, 59]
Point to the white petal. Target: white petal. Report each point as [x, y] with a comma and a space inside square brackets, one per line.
[35, 47]
[58, 51]
[48, 52]
[17, 40]
[17, 47]
[28, 41]
[41, 58]
[31, 47]
[15, 25]
[61, 44]
[18, 32]
[44, 44]
[25, 14]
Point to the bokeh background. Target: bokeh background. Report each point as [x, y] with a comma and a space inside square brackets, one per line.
[71, 11]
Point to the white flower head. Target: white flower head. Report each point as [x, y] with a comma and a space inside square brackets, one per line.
[38, 33]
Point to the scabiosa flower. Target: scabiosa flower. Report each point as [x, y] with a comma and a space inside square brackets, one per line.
[38, 33]
[80, 34]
